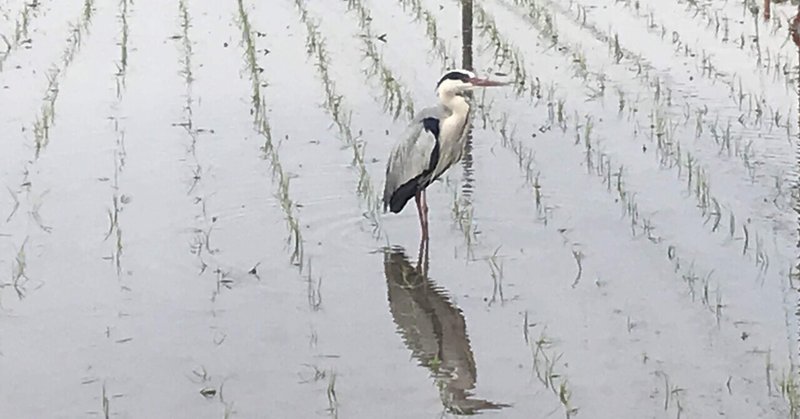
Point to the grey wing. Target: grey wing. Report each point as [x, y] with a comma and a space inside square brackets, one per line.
[409, 160]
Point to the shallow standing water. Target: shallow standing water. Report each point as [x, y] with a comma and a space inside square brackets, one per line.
[191, 224]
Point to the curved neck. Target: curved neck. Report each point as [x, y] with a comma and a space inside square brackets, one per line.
[455, 103]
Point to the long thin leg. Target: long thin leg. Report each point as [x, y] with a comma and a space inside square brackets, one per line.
[424, 215]
[418, 198]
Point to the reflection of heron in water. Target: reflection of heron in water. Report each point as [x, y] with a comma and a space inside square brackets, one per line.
[433, 329]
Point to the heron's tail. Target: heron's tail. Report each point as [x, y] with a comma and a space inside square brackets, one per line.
[397, 201]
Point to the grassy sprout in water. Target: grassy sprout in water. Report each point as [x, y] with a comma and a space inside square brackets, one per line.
[548, 367]
[21, 36]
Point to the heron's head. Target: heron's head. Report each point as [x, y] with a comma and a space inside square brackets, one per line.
[459, 81]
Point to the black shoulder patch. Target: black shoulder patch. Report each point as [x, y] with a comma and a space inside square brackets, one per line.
[431, 125]
[454, 75]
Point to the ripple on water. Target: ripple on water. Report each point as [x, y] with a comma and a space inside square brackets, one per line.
[331, 225]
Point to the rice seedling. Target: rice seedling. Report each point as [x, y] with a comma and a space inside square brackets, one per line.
[15, 207]
[105, 403]
[578, 255]
[547, 364]
[21, 26]
[34, 212]
[19, 276]
[314, 290]
[497, 277]
[333, 402]
[673, 395]
[790, 391]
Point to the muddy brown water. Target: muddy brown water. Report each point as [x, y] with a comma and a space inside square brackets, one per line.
[188, 226]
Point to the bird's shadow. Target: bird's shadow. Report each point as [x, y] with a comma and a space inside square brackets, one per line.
[434, 330]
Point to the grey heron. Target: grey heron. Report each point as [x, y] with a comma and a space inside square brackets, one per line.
[433, 142]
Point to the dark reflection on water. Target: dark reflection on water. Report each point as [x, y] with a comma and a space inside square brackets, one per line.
[433, 328]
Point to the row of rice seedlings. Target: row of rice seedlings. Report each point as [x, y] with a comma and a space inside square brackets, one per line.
[718, 23]
[337, 108]
[21, 24]
[729, 144]
[201, 241]
[714, 19]
[600, 163]
[261, 125]
[118, 200]
[526, 163]
[776, 63]
[505, 53]
[438, 45]
[46, 118]
[765, 60]
[714, 306]
[395, 99]
[698, 179]
[548, 366]
[754, 111]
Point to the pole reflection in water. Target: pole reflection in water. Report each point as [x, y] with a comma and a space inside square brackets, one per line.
[434, 330]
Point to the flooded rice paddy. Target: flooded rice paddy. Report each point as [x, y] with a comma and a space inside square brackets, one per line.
[191, 225]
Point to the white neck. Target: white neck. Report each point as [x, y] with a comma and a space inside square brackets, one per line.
[455, 103]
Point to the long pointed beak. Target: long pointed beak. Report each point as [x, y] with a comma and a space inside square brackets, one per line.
[476, 81]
